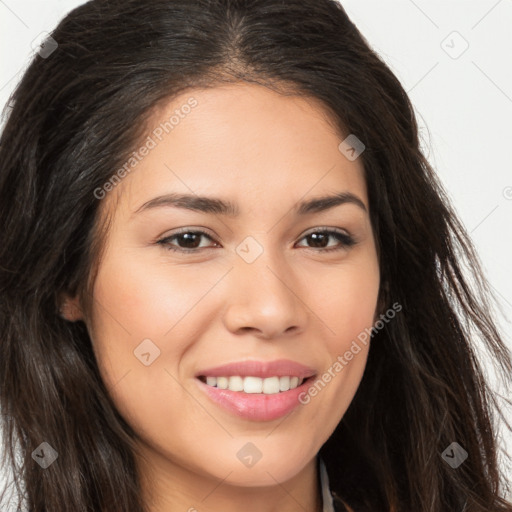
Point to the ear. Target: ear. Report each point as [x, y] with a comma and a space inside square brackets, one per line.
[69, 308]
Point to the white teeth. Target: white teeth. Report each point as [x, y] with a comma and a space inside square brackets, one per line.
[271, 385]
[222, 382]
[267, 386]
[284, 383]
[236, 383]
[253, 385]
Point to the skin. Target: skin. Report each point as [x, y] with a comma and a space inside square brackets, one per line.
[265, 152]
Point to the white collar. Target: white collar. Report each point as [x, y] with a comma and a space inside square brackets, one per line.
[328, 505]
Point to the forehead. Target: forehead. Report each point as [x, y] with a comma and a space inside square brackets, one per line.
[241, 141]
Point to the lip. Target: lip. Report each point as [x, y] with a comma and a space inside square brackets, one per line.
[256, 406]
[263, 369]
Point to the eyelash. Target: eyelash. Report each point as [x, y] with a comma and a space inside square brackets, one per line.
[346, 240]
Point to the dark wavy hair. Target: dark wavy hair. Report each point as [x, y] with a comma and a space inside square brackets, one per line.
[79, 112]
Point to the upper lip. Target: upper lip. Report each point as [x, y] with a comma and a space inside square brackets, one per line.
[263, 369]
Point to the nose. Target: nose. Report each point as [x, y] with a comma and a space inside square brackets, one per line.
[266, 297]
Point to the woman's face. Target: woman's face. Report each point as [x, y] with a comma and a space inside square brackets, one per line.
[255, 287]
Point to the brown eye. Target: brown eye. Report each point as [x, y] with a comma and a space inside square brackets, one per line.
[320, 240]
[187, 241]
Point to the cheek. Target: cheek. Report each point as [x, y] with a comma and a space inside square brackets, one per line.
[150, 299]
[151, 305]
[150, 296]
[137, 301]
[345, 299]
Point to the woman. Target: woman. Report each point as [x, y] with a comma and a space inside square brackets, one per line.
[229, 277]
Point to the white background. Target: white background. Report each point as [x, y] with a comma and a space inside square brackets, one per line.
[463, 101]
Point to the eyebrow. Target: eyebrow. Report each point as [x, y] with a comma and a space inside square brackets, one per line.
[204, 204]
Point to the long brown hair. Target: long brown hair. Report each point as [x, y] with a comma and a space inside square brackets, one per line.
[79, 111]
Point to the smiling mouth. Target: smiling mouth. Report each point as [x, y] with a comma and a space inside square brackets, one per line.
[255, 385]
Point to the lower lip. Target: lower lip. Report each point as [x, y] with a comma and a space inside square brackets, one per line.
[256, 406]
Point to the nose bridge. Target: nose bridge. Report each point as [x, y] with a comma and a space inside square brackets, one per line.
[266, 296]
